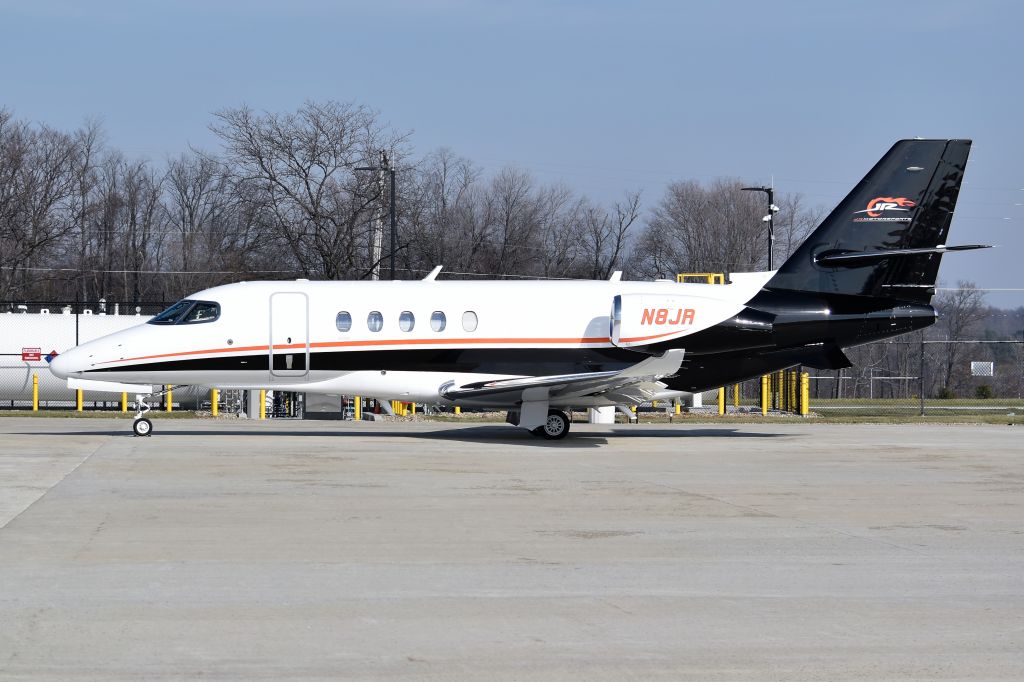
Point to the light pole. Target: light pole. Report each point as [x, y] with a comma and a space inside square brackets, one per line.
[770, 219]
[385, 166]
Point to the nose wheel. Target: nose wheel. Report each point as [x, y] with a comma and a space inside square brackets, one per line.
[142, 426]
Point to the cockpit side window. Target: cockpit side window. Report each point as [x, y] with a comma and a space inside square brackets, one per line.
[188, 312]
[202, 311]
[172, 314]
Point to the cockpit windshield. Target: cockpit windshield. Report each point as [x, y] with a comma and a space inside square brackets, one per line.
[188, 312]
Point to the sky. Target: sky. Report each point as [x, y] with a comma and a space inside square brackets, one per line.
[605, 97]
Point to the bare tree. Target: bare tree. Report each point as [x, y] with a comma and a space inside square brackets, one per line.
[960, 311]
[604, 235]
[793, 223]
[300, 167]
[698, 229]
[36, 183]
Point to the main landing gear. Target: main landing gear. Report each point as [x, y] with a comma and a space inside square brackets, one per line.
[555, 427]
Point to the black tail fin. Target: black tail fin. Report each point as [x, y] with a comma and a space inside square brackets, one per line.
[886, 238]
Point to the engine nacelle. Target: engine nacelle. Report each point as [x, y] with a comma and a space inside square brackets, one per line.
[643, 319]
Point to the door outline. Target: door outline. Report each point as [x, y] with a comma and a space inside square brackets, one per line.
[287, 372]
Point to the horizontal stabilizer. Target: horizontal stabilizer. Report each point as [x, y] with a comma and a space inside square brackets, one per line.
[826, 357]
[859, 257]
[109, 386]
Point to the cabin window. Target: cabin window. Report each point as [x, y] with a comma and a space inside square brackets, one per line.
[437, 321]
[406, 321]
[469, 321]
[375, 321]
[343, 321]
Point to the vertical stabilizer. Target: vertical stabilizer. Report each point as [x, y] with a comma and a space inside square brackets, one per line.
[905, 202]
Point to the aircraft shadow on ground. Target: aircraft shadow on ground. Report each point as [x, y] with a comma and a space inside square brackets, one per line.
[504, 435]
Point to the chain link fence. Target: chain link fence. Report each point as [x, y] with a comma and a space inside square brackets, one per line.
[924, 376]
[912, 375]
[903, 377]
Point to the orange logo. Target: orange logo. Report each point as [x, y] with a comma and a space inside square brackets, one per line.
[880, 204]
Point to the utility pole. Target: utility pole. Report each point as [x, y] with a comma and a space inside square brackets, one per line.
[376, 243]
[770, 219]
[391, 208]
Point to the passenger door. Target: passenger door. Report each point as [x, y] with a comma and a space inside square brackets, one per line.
[289, 334]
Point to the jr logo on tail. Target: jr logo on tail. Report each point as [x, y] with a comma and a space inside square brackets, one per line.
[879, 205]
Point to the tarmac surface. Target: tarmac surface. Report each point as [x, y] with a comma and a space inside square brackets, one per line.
[323, 550]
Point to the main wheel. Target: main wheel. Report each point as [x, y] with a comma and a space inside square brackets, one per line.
[557, 425]
[142, 427]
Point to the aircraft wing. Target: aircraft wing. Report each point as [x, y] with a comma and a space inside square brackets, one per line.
[632, 384]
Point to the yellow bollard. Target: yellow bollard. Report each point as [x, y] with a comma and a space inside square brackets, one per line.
[458, 410]
[263, 403]
[359, 409]
[35, 392]
[721, 400]
[679, 406]
[124, 401]
[170, 399]
[764, 395]
[736, 395]
[78, 400]
[214, 399]
[414, 409]
[805, 393]
[794, 390]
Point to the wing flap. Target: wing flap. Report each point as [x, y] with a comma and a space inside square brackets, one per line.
[647, 372]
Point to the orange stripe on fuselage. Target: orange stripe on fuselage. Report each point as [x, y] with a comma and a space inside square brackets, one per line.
[631, 339]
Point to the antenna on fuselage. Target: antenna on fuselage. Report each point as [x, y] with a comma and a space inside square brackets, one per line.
[433, 274]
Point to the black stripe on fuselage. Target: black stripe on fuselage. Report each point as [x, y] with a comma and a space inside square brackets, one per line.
[515, 361]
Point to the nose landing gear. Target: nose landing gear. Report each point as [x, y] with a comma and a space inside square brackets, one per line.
[142, 426]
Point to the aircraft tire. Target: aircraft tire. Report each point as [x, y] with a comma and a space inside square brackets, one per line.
[142, 427]
[557, 425]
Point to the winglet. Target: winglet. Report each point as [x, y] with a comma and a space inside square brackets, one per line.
[616, 276]
[433, 274]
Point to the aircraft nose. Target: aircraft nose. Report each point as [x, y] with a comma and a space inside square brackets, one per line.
[63, 365]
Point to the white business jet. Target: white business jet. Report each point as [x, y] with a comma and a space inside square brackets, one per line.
[539, 347]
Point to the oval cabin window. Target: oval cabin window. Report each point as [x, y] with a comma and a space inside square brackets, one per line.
[375, 321]
[343, 321]
[406, 321]
[469, 321]
[438, 321]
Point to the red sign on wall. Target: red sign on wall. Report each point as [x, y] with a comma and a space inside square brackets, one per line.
[31, 354]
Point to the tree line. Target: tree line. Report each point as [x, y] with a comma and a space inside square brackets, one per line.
[283, 196]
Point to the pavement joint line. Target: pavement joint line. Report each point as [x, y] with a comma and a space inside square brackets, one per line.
[62, 479]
